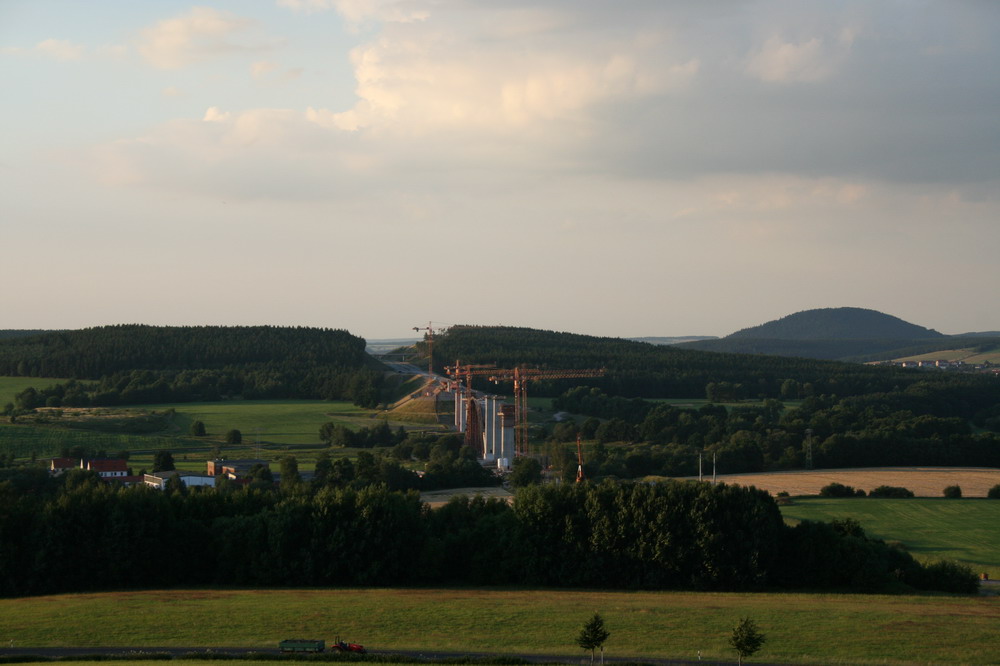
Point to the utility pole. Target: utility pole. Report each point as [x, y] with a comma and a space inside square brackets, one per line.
[579, 460]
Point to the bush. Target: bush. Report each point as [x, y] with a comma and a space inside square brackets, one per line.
[894, 492]
[946, 576]
[198, 429]
[994, 492]
[953, 492]
[837, 490]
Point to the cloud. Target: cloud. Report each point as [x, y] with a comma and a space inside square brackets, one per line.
[462, 71]
[783, 62]
[250, 155]
[200, 34]
[262, 68]
[55, 49]
[659, 94]
[360, 11]
[269, 71]
[59, 49]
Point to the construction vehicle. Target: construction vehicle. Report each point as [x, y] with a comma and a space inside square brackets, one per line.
[302, 645]
[342, 646]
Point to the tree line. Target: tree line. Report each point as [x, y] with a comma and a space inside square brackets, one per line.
[77, 533]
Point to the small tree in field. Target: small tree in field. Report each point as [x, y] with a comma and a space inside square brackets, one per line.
[953, 492]
[163, 461]
[592, 636]
[234, 436]
[746, 639]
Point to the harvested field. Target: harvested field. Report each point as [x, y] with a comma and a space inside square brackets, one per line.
[923, 481]
[436, 498]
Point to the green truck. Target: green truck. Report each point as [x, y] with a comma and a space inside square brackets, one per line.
[302, 645]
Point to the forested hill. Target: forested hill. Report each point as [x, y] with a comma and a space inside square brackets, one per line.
[94, 352]
[19, 332]
[136, 363]
[838, 324]
[637, 369]
[828, 333]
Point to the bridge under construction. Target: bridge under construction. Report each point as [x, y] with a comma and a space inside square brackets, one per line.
[496, 430]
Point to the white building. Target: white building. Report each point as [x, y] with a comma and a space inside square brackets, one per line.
[189, 479]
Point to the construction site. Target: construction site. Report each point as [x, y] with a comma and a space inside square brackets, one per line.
[494, 426]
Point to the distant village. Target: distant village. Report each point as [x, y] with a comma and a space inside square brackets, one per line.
[116, 470]
[941, 364]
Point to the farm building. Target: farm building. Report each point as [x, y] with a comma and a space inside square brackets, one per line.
[189, 479]
[108, 469]
[234, 469]
[59, 466]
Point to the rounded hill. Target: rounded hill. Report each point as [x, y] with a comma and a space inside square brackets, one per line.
[838, 324]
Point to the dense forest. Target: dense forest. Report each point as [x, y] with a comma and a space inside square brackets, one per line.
[924, 424]
[77, 533]
[134, 364]
[637, 369]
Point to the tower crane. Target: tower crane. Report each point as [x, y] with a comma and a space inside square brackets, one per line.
[429, 336]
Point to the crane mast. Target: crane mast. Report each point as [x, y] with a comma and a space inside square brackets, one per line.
[429, 336]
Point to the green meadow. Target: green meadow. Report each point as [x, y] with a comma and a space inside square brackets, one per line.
[800, 628]
[272, 421]
[290, 426]
[11, 386]
[959, 529]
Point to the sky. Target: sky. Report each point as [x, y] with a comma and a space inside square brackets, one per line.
[637, 168]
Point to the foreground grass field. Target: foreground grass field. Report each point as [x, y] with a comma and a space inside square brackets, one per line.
[963, 529]
[801, 628]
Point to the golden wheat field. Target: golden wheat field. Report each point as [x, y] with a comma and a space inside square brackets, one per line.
[923, 481]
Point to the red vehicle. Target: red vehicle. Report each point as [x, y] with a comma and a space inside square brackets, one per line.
[341, 646]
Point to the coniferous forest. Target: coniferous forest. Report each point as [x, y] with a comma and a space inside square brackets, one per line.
[134, 364]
